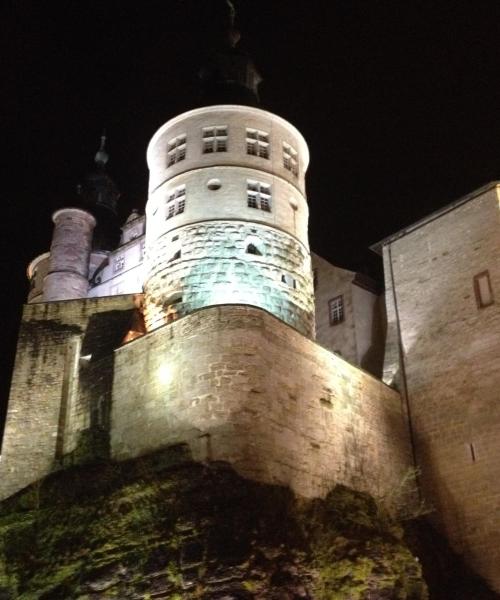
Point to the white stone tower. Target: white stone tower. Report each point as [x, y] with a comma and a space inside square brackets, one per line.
[227, 216]
[227, 213]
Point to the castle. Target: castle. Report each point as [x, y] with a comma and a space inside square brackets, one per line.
[197, 325]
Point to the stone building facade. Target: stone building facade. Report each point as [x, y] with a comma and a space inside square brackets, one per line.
[350, 315]
[442, 280]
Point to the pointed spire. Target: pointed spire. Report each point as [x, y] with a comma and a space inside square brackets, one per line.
[228, 75]
[102, 157]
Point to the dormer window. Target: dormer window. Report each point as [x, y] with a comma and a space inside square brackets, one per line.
[214, 139]
[257, 143]
[259, 195]
[176, 202]
[290, 159]
[176, 149]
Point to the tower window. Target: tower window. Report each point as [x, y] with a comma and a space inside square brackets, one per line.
[214, 139]
[336, 310]
[483, 289]
[288, 280]
[176, 150]
[252, 249]
[315, 278]
[175, 256]
[119, 264]
[259, 195]
[257, 143]
[176, 202]
[290, 159]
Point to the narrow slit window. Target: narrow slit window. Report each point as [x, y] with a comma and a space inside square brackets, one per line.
[483, 290]
[252, 249]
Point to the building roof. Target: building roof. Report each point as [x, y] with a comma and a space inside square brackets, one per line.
[377, 247]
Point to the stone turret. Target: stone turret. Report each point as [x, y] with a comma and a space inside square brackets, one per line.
[68, 274]
[227, 213]
[227, 216]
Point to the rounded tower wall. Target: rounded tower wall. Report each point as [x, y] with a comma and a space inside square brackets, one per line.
[187, 135]
[227, 217]
[68, 272]
[229, 262]
[37, 271]
[222, 193]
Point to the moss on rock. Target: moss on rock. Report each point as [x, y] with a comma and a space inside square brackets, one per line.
[164, 527]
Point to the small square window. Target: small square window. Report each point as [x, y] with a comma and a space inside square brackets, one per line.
[483, 290]
[259, 195]
[257, 143]
[290, 159]
[176, 150]
[336, 310]
[214, 139]
[119, 264]
[176, 202]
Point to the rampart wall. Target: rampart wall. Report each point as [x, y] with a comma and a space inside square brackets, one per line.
[241, 386]
[61, 386]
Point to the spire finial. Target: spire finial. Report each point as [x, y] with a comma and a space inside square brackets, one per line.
[233, 35]
[102, 157]
[232, 11]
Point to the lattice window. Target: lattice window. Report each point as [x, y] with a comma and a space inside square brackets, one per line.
[214, 139]
[258, 143]
[336, 310]
[290, 159]
[259, 195]
[176, 202]
[119, 264]
[176, 149]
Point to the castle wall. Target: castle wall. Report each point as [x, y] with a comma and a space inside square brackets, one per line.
[239, 385]
[451, 348]
[60, 385]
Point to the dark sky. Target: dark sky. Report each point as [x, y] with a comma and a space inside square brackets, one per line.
[398, 101]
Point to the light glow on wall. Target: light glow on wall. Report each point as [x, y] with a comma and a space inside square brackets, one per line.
[164, 374]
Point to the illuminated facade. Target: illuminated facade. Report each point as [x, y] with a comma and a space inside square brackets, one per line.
[197, 326]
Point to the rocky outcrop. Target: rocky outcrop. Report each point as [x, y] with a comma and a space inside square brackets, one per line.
[162, 527]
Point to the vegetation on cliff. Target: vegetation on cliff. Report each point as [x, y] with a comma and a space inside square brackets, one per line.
[165, 528]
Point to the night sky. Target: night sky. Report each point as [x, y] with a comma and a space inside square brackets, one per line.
[396, 99]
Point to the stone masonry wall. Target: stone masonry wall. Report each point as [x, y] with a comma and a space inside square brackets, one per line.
[240, 386]
[208, 264]
[451, 352]
[61, 381]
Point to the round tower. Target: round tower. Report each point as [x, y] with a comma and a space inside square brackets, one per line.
[68, 272]
[227, 216]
